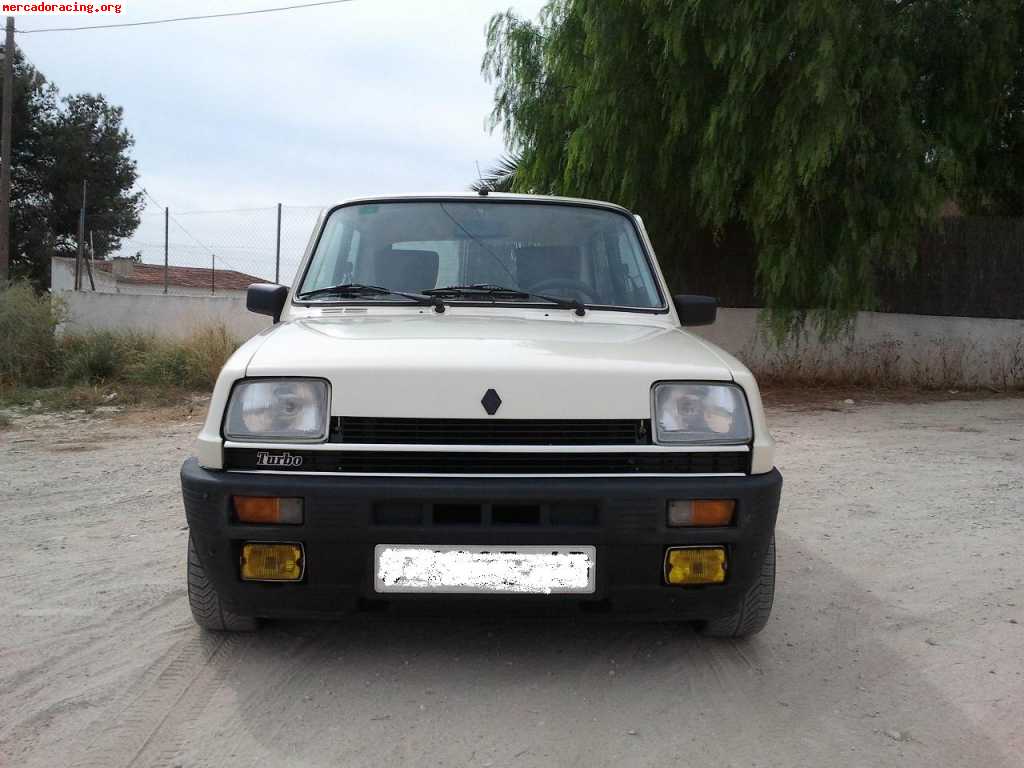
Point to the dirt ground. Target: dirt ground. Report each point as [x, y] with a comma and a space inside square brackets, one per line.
[897, 636]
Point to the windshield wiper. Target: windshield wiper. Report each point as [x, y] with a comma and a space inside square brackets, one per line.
[344, 290]
[494, 291]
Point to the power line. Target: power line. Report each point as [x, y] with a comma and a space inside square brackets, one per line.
[183, 18]
[226, 210]
[194, 238]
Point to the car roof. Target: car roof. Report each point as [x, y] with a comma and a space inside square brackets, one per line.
[489, 197]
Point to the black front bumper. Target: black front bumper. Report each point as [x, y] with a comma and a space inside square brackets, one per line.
[345, 517]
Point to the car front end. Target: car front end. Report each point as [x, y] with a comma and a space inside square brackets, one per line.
[376, 451]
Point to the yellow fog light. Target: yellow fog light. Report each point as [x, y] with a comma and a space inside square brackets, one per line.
[272, 562]
[695, 565]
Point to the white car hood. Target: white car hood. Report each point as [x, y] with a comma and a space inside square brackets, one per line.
[428, 365]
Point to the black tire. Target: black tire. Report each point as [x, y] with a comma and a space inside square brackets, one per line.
[753, 614]
[205, 604]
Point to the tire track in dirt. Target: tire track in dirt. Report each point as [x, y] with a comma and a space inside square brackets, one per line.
[169, 739]
[189, 678]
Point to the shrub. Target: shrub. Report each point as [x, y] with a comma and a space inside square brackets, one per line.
[146, 359]
[27, 324]
[89, 358]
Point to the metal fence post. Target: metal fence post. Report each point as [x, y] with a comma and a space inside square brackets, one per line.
[213, 274]
[277, 258]
[167, 219]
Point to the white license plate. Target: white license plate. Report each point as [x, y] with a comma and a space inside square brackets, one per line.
[461, 569]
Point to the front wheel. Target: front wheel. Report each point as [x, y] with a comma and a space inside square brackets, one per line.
[755, 609]
[205, 603]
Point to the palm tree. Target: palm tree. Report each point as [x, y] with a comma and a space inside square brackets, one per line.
[501, 177]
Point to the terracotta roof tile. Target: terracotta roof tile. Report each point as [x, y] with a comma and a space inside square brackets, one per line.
[183, 277]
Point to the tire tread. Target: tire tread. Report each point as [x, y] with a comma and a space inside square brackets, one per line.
[207, 610]
[756, 607]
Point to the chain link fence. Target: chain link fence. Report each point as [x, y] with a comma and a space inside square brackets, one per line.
[224, 249]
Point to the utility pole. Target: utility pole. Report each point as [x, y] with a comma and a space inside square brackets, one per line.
[5, 155]
[167, 225]
[80, 257]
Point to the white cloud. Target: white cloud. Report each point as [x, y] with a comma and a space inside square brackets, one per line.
[302, 107]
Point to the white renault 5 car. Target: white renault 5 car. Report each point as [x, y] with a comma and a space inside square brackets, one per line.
[482, 399]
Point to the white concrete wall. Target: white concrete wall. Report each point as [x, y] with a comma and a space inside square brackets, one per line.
[920, 350]
[882, 348]
[62, 277]
[176, 316]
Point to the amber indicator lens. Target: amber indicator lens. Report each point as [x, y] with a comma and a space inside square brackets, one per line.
[700, 512]
[689, 566]
[271, 562]
[268, 510]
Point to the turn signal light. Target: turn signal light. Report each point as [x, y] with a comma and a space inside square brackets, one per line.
[272, 562]
[684, 513]
[686, 566]
[268, 510]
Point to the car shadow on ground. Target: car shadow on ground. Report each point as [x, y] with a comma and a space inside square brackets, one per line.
[820, 686]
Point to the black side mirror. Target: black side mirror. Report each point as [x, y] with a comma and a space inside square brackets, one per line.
[696, 310]
[266, 299]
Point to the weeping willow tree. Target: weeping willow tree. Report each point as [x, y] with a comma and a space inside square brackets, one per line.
[830, 131]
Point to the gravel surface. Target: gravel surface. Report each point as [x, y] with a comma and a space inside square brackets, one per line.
[897, 636]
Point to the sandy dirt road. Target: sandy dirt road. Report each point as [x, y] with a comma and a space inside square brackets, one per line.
[897, 636]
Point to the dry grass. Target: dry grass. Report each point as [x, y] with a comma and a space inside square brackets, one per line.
[27, 345]
[86, 370]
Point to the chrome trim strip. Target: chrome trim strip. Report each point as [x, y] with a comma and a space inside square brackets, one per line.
[465, 448]
[478, 474]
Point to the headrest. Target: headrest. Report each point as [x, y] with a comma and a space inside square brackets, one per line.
[536, 263]
[405, 270]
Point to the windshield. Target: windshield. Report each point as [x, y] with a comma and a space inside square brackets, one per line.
[591, 255]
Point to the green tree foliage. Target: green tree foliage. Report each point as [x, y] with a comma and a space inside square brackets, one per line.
[500, 178]
[35, 103]
[58, 143]
[830, 131]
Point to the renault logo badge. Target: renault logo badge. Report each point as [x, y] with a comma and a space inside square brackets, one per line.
[491, 402]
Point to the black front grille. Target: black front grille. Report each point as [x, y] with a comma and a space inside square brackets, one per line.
[521, 515]
[370, 430]
[470, 463]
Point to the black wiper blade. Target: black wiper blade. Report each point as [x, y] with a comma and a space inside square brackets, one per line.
[346, 289]
[358, 289]
[489, 289]
[484, 288]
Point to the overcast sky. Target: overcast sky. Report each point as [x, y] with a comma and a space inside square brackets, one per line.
[303, 107]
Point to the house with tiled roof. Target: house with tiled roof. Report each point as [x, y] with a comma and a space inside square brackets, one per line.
[121, 275]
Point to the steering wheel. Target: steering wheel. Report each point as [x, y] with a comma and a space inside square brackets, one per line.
[568, 284]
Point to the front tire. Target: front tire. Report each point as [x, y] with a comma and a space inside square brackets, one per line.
[755, 609]
[205, 603]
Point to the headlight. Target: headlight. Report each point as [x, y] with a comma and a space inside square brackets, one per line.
[292, 410]
[700, 414]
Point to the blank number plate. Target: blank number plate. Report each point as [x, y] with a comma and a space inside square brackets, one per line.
[461, 569]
